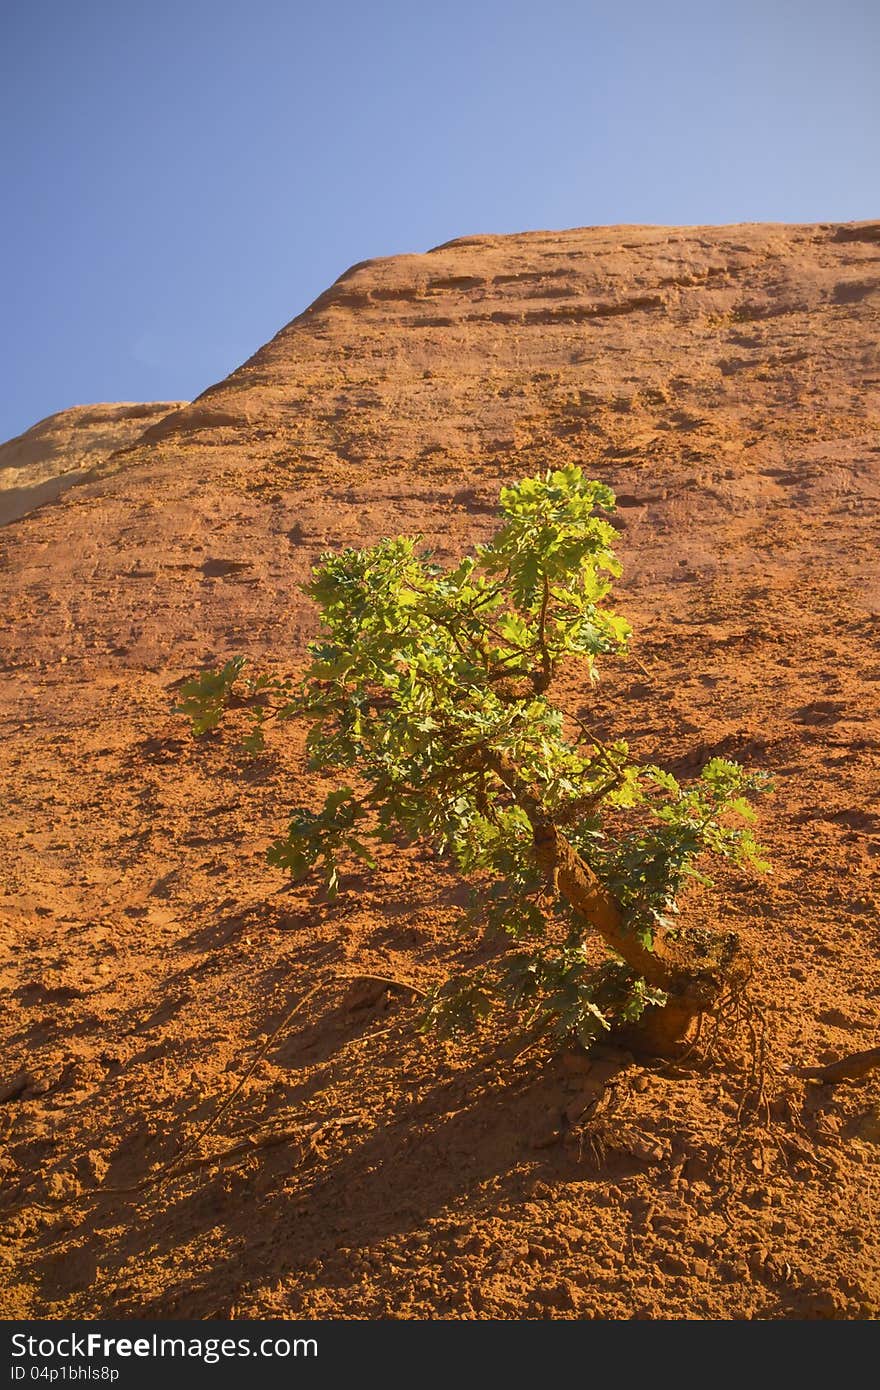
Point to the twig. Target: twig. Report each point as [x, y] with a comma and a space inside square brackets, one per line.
[588, 734]
[221, 1110]
[570, 810]
[165, 1172]
[546, 663]
[268, 1141]
[641, 665]
[387, 980]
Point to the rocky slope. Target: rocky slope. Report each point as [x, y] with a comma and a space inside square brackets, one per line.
[66, 449]
[725, 381]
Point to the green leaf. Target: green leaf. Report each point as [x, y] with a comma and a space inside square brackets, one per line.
[429, 711]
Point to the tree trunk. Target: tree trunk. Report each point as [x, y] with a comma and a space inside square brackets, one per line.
[693, 967]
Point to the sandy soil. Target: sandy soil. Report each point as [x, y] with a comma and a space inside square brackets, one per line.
[725, 382]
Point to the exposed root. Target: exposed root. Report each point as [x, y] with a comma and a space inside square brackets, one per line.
[753, 1128]
[851, 1068]
[733, 1036]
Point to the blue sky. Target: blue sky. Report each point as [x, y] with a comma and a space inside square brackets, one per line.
[181, 179]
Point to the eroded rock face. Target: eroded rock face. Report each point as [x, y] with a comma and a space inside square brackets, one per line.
[725, 382]
[67, 448]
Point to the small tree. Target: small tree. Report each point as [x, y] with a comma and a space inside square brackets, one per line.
[432, 687]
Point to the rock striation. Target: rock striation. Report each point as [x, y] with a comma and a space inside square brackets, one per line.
[66, 449]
